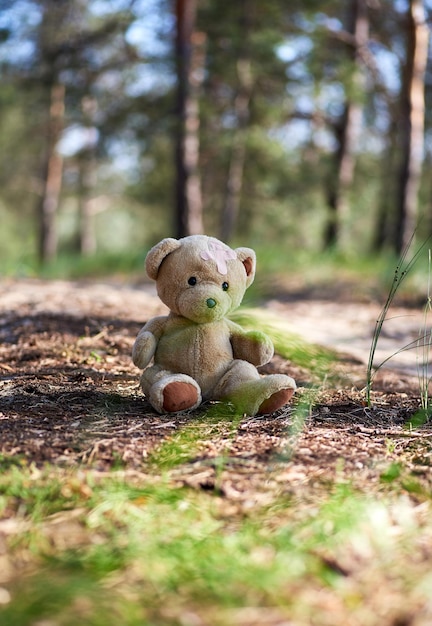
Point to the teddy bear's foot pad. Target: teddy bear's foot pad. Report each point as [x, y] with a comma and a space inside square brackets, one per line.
[276, 401]
[179, 396]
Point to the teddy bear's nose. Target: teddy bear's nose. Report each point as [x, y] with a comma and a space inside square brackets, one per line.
[211, 303]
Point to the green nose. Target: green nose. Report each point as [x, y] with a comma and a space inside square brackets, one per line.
[211, 303]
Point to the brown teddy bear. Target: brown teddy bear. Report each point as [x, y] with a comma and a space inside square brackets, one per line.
[198, 353]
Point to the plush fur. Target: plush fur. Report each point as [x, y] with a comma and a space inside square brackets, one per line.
[198, 354]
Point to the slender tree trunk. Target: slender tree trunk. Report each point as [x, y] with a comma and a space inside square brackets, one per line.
[87, 181]
[48, 206]
[87, 178]
[190, 60]
[348, 130]
[234, 185]
[231, 206]
[384, 224]
[412, 124]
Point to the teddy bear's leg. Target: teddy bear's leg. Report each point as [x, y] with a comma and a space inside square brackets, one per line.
[251, 393]
[169, 392]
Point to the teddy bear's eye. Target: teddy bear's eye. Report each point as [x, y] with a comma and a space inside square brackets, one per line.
[225, 286]
[192, 281]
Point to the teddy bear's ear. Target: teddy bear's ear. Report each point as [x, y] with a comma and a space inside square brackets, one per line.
[157, 254]
[248, 258]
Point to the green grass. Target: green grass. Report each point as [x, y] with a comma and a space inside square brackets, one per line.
[277, 268]
[146, 552]
[74, 266]
[304, 270]
[96, 266]
[217, 419]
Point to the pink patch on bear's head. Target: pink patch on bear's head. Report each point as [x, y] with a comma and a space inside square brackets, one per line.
[219, 252]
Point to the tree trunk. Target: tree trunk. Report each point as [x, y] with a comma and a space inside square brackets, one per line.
[231, 206]
[53, 171]
[87, 175]
[234, 184]
[384, 223]
[412, 124]
[190, 60]
[348, 129]
[87, 181]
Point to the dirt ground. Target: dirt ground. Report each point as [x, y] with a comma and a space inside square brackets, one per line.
[69, 393]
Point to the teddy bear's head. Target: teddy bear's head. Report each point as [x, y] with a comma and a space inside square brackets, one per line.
[199, 277]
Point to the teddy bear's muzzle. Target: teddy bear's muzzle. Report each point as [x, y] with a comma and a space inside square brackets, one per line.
[203, 305]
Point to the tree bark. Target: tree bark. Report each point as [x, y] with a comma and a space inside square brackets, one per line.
[412, 124]
[190, 60]
[347, 131]
[53, 171]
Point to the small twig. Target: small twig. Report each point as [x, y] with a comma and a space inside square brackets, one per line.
[6, 367]
[392, 433]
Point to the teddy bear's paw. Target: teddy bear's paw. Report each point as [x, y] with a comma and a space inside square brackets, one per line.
[254, 347]
[180, 396]
[143, 349]
[276, 401]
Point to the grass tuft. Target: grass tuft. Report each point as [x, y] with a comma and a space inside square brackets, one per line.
[424, 345]
[402, 270]
[184, 445]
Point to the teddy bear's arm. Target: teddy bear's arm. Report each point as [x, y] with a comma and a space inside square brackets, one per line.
[252, 346]
[147, 340]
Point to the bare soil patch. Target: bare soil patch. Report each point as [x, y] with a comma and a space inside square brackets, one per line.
[69, 396]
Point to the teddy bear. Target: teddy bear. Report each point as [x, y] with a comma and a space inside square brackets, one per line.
[198, 353]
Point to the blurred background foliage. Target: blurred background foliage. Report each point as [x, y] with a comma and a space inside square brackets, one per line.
[294, 127]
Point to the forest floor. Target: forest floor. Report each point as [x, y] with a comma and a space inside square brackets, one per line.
[69, 398]
[69, 391]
